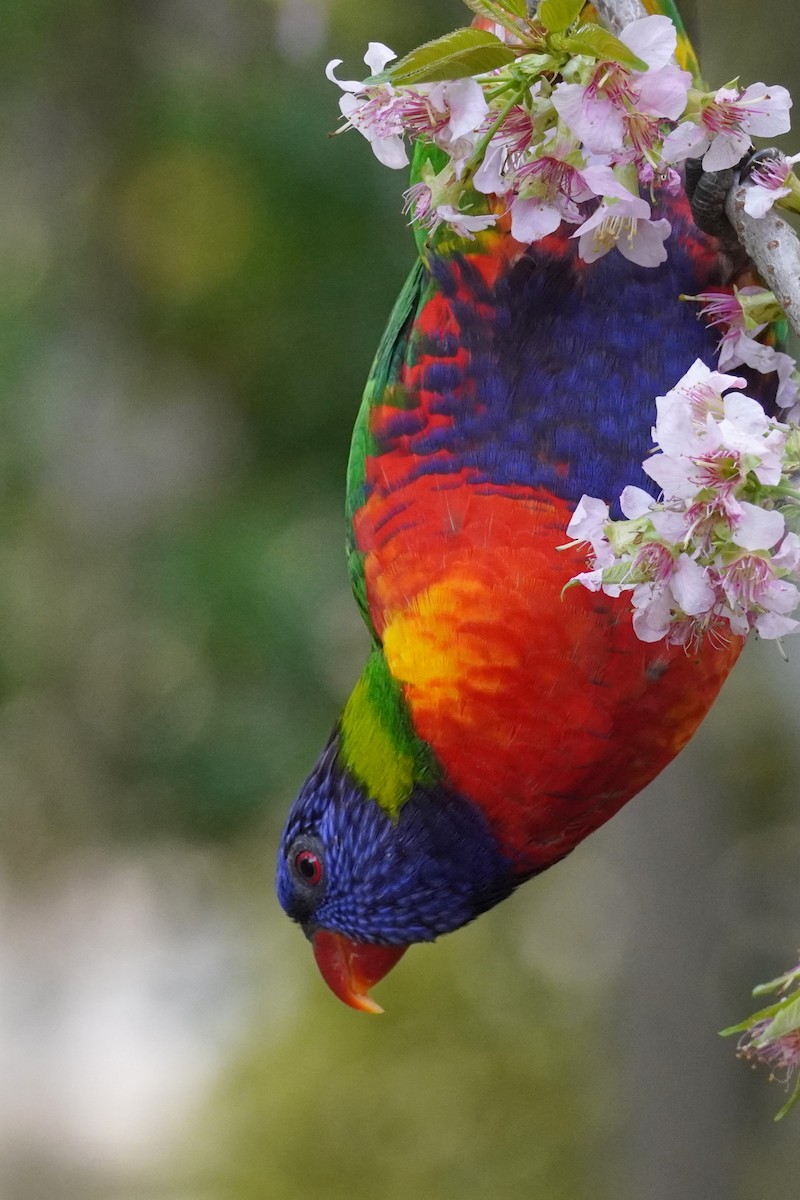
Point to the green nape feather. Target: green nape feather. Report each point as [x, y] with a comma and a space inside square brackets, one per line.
[378, 744]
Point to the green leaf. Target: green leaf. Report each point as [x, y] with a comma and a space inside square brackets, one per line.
[499, 11]
[786, 1020]
[790, 1103]
[599, 43]
[789, 977]
[558, 15]
[743, 1026]
[454, 56]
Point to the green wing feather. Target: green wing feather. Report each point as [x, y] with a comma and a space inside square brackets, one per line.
[381, 389]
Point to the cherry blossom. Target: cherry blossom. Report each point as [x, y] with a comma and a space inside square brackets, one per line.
[714, 552]
[451, 114]
[768, 182]
[623, 221]
[374, 110]
[622, 113]
[739, 346]
[727, 122]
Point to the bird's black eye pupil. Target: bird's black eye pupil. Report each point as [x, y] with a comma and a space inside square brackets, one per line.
[308, 865]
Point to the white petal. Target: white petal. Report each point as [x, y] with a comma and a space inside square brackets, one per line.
[757, 528]
[646, 247]
[663, 93]
[390, 151]
[745, 413]
[653, 39]
[587, 522]
[669, 525]
[772, 104]
[597, 122]
[758, 200]
[725, 151]
[672, 475]
[781, 596]
[674, 429]
[488, 178]
[687, 141]
[788, 556]
[532, 220]
[603, 182]
[593, 580]
[467, 105]
[651, 611]
[347, 85]
[690, 587]
[635, 502]
[591, 248]
[770, 625]
[378, 56]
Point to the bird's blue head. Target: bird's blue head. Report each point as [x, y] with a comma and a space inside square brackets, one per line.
[364, 884]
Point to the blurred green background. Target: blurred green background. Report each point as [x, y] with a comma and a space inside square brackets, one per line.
[194, 279]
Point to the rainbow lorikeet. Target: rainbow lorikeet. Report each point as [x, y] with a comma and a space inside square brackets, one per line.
[499, 720]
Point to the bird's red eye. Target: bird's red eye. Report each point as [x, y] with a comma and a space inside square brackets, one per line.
[308, 867]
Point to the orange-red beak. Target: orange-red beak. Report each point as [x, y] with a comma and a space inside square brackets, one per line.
[350, 969]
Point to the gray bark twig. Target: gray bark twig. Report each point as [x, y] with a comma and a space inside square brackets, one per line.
[616, 14]
[769, 241]
[774, 248]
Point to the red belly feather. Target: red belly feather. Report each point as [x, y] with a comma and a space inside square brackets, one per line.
[546, 710]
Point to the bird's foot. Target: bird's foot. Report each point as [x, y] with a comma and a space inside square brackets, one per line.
[708, 191]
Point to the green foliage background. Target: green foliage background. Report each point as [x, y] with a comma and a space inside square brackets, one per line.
[194, 279]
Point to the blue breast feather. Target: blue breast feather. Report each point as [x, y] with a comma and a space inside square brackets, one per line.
[564, 362]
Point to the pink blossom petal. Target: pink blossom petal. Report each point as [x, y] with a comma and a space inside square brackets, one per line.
[758, 200]
[690, 587]
[770, 625]
[597, 122]
[587, 522]
[646, 245]
[465, 224]
[687, 141]
[757, 528]
[787, 557]
[663, 93]
[635, 502]
[531, 220]
[672, 475]
[653, 39]
[725, 151]
[652, 611]
[768, 109]
[488, 178]
[467, 105]
[603, 182]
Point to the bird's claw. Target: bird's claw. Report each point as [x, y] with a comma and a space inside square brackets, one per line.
[751, 161]
[708, 191]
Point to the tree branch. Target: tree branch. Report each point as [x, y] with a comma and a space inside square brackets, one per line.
[774, 248]
[618, 13]
[769, 241]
